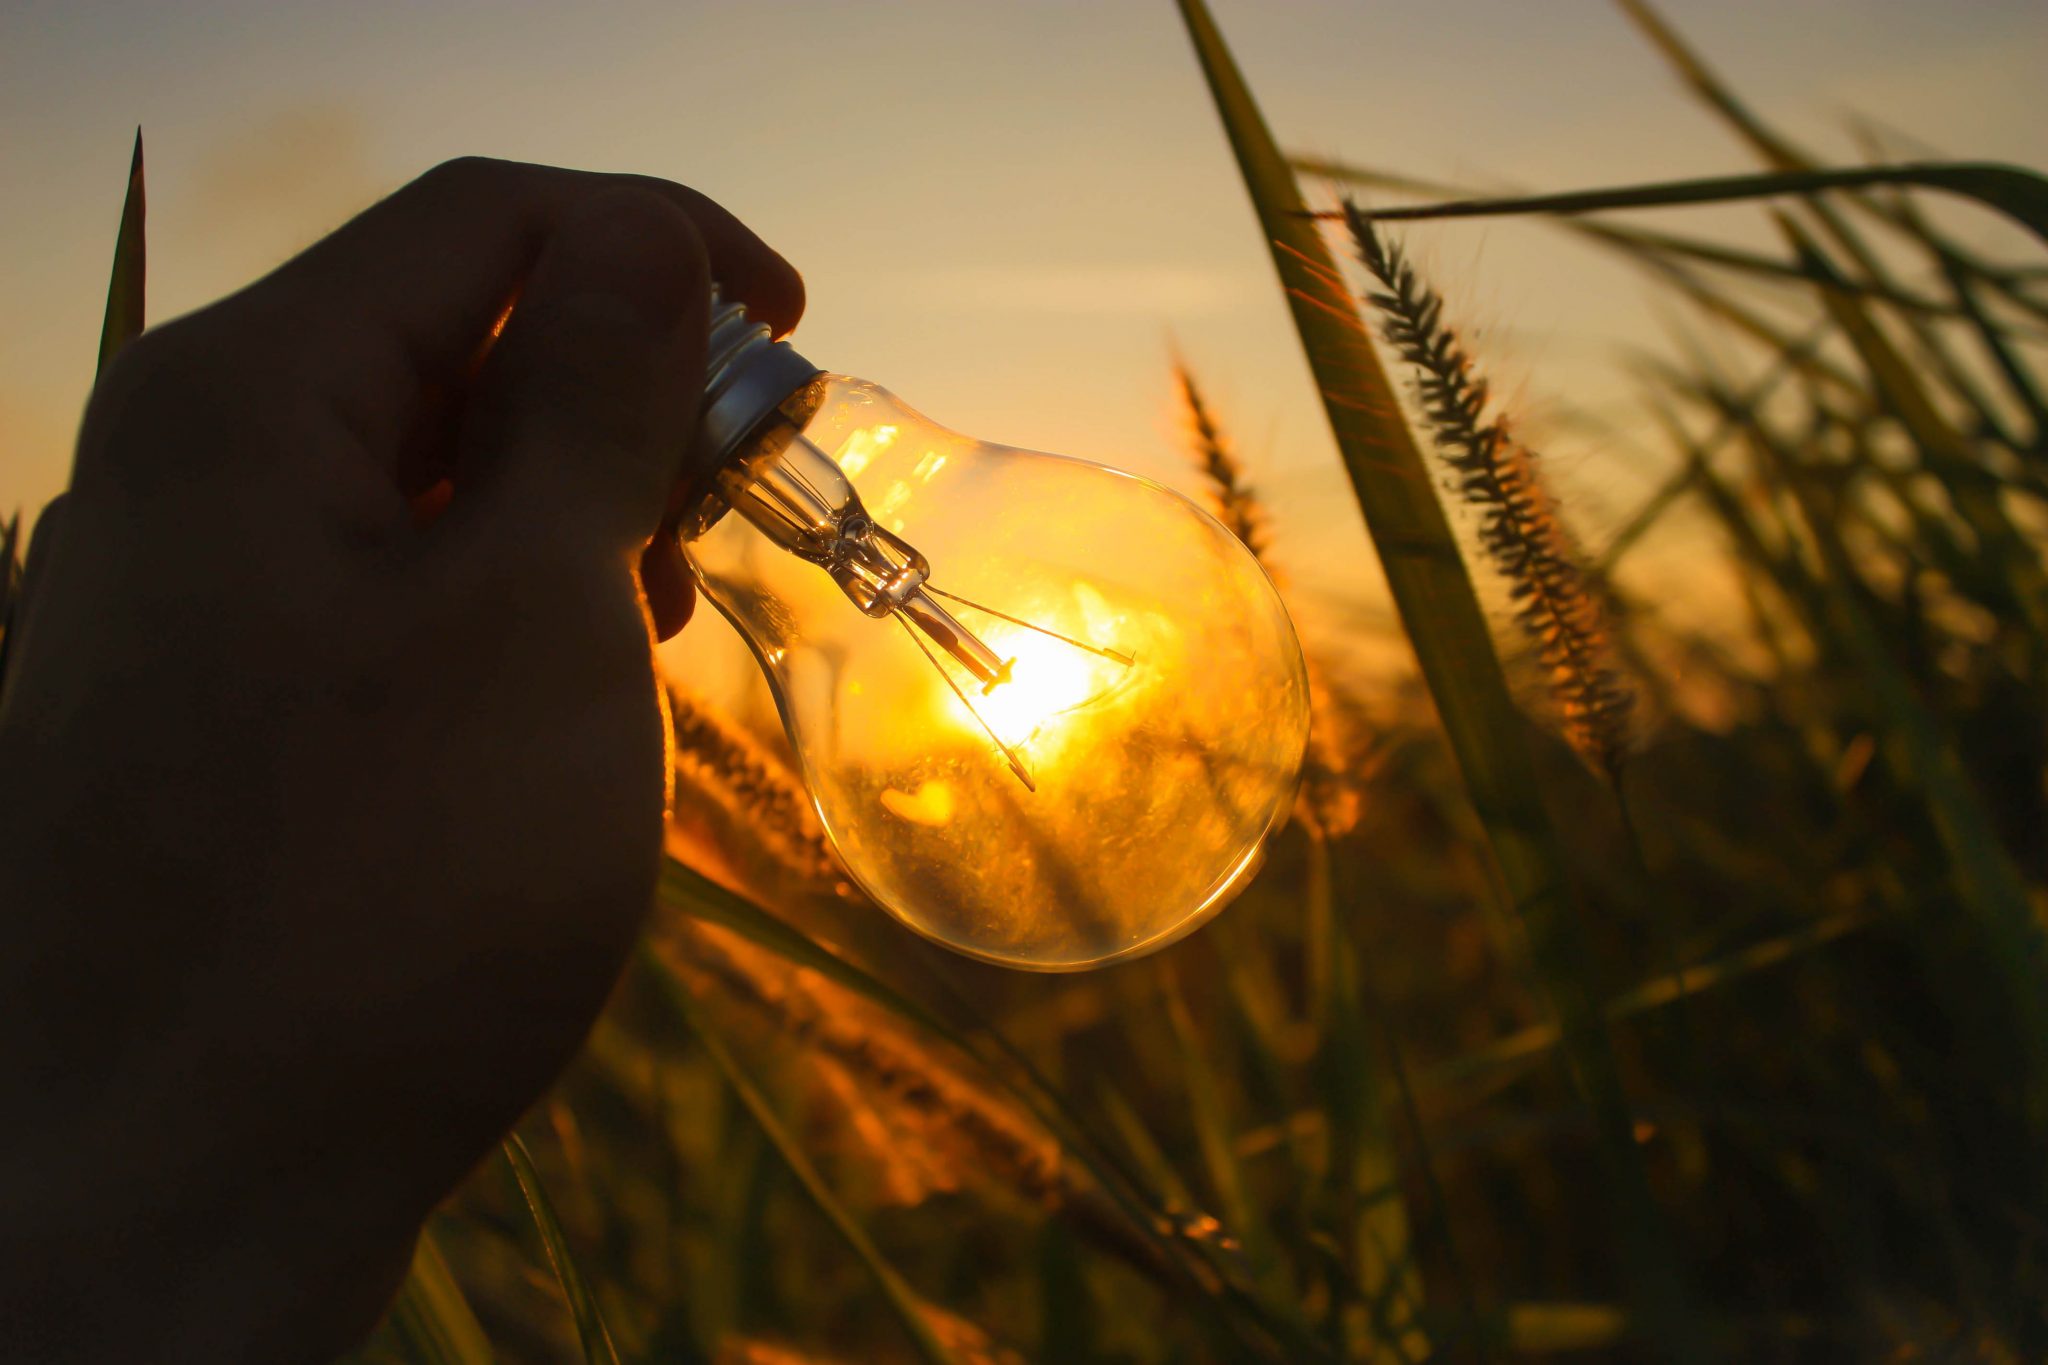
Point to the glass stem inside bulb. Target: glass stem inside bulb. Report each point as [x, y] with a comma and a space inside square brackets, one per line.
[942, 629]
[803, 501]
[800, 498]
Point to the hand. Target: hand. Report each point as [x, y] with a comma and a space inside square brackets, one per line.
[325, 829]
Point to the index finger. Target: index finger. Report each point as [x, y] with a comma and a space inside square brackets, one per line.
[475, 221]
[416, 282]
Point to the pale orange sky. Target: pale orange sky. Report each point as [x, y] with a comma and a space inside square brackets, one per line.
[1006, 212]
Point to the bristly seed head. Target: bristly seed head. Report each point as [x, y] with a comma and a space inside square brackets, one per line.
[1520, 530]
[1230, 497]
[1328, 801]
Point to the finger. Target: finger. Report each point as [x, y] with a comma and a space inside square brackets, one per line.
[41, 544]
[393, 305]
[41, 540]
[671, 592]
[469, 229]
[584, 408]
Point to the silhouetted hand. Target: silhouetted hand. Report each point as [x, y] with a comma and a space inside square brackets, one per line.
[326, 826]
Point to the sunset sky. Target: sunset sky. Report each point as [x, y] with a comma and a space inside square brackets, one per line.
[1006, 212]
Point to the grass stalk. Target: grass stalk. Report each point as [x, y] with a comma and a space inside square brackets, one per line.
[432, 1318]
[127, 280]
[1440, 611]
[591, 1331]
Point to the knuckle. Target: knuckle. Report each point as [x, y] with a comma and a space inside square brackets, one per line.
[148, 355]
[462, 176]
[649, 215]
[157, 384]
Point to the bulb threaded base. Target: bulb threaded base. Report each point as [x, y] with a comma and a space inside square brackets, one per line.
[747, 376]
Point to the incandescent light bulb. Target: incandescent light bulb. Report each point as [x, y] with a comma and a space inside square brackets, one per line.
[1047, 710]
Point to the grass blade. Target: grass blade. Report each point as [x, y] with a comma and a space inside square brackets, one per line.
[689, 892]
[1434, 594]
[1241, 1213]
[431, 1316]
[590, 1328]
[1712, 90]
[1655, 994]
[1779, 154]
[122, 324]
[901, 1298]
[124, 319]
[1916, 744]
[2019, 194]
[1632, 240]
[1066, 1315]
[1948, 454]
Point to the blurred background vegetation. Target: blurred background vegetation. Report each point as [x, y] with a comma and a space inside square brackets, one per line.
[1622, 988]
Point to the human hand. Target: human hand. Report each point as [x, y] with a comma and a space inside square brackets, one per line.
[325, 829]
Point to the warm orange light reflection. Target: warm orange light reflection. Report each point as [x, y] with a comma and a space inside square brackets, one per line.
[1048, 680]
[1065, 669]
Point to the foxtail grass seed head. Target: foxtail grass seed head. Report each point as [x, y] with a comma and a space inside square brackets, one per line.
[1520, 529]
[730, 768]
[1328, 799]
[962, 1132]
[1231, 496]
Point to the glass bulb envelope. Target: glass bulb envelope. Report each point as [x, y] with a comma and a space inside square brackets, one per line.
[1053, 733]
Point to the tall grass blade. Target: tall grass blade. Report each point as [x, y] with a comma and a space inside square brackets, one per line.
[2020, 194]
[590, 1329]
[689, 892]
[1066, 1315]
[1695, 250]
[1948, 454]
[1779, 154]
[1440, 610]
[121, 325]
[1683, 479]
[1657, 993]
[1241, 1214]
[1364, 1156]
[125, 283]
[1998, 343]
[432, 1318]
[1989, 886]
[903, 1301]
[1711, 89]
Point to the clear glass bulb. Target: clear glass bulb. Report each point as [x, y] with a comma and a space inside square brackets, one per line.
[1047, 710]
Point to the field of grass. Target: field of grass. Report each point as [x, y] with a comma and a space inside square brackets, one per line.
[1617, 991]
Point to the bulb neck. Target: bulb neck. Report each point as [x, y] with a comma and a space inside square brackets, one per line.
[747, 376]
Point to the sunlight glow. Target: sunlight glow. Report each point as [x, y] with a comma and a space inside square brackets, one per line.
[1057, 690]
[1048, 680]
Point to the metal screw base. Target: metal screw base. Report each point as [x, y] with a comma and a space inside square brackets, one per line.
[747, 375]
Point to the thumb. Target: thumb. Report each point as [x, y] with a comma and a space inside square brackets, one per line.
[585, 408]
